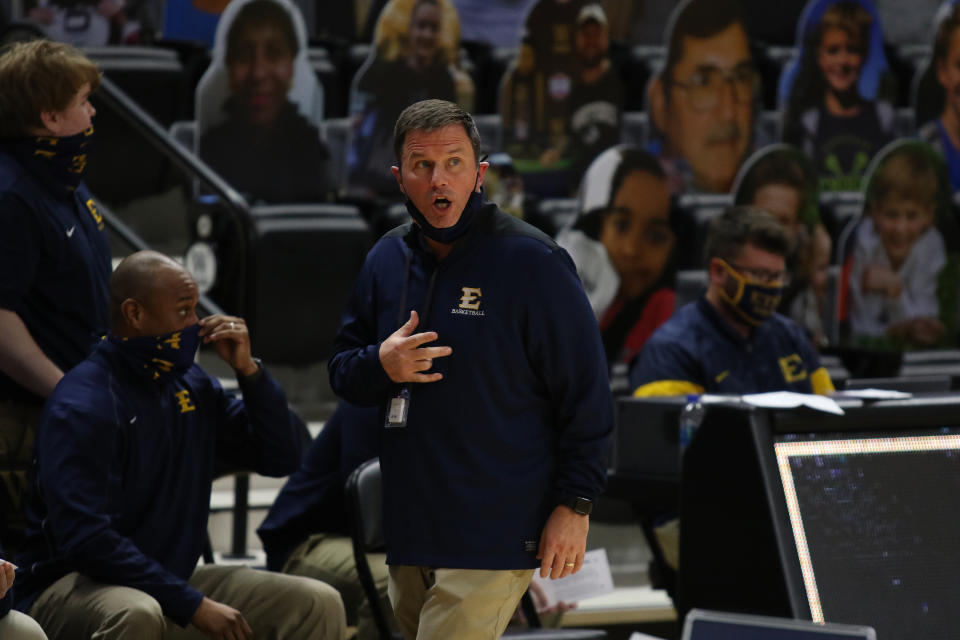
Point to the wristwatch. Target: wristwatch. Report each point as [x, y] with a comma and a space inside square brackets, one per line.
[583, 506]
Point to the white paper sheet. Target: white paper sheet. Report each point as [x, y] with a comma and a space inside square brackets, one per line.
[592, 580]
[872, 394]
[790, 400]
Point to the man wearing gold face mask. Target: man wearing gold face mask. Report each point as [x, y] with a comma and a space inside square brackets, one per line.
[731, 340]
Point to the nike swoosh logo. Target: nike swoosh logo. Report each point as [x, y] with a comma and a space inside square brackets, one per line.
[71, 230]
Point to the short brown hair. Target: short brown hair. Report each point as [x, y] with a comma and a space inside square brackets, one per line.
[910, 173]
[852, 19]
[430, 115]
[742, 225]
[40, 76]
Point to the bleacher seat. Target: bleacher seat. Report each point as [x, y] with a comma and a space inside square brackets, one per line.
[838, 208]
[355, 58]
[488, 70]
[337, 133]
[550, 215]
[334, 102]
[770, 126]
[769, 63]
[110, 173]
[637, 65]
[903, 123]
[828, 314]
[705, 206]
[635, 128]
[701, 208]
[491, 132]
[184, 132]
[153, 76]
[906, 61]
[690, 285]
[301, 265]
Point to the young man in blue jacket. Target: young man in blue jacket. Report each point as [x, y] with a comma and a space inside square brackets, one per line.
[731, 340]
[54, 250]
[495, 442]
[124, 464]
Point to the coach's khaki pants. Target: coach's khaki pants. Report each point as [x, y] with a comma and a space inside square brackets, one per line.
[276, 606]
[466, 604]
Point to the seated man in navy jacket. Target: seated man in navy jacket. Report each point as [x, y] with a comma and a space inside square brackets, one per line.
[307, 532]
[124, 464]
[732, 340]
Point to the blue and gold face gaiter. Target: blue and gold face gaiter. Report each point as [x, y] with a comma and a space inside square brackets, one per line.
[164, 357]
[751, 301]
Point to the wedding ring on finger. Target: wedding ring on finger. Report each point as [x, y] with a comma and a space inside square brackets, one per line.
[570, 564]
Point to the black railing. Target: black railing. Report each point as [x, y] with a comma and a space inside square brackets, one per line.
[157, 137]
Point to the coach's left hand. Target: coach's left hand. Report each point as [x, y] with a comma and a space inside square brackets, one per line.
[563, 543]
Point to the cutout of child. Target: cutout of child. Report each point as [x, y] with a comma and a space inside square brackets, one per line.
[414, 58]
[257, 138]
[623, 246]
[831, 110]
[780, 180]
[898, 253]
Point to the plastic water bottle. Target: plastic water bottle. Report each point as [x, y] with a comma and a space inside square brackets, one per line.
[690, 418]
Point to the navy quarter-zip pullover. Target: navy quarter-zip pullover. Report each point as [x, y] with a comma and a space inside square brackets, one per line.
[522, 417]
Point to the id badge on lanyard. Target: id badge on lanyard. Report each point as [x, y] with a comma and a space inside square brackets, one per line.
[397, 408]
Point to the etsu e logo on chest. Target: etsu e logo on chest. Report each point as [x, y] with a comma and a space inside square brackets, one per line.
[470, 302]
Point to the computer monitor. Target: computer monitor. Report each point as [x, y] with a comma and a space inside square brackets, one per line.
[716, 625]
[851, 519]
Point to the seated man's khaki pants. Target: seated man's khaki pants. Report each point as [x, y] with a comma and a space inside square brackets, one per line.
[19, 626]
[328, 557]
[276, 606]
[466, 604]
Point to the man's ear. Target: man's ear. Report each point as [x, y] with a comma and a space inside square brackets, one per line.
[50, 120]
[657, 100]
[395, 170]
[132, 312]
[717, 274]
[481, 171]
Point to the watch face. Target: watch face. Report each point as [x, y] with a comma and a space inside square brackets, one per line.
[582, 506]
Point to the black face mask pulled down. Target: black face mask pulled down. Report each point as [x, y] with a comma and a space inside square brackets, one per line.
[60, 160]
[447, 235]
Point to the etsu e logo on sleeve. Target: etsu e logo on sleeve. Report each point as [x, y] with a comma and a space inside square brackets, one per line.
[470, 301]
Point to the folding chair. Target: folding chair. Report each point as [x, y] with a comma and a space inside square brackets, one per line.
[365, 505]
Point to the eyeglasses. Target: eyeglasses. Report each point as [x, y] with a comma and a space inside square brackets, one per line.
[763, 276]
[706, 85]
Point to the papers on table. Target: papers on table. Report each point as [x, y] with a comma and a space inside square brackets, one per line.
[872, 394]
[778, 400]
[592, 580]
[790, 400]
